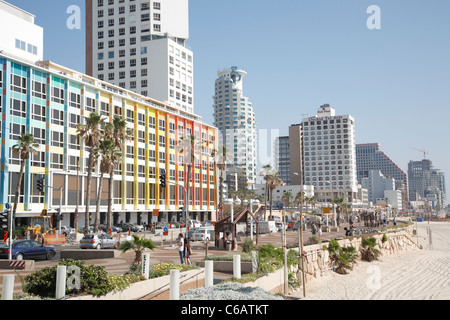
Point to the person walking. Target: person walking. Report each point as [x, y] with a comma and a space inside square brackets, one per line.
[181, 247]
[319, 230]
[187, 252]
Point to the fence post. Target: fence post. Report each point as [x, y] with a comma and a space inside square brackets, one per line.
[237, 266]
[60, 282]
[209, 273]
[8, 287]
[146, 265]
[174, 284]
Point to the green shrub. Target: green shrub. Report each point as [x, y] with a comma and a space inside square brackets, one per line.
[93, 280]
[248, 246]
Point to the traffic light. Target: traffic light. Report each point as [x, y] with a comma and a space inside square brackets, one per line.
[4, 219]
[162, 178]
[40, 185]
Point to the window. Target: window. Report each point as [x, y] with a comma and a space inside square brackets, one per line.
[75, 100]
[57, 139]
[38, 112]
[39, 90]
[58, 117]
[90, 105]
[18, 83]
[18, 108]
[58, 95]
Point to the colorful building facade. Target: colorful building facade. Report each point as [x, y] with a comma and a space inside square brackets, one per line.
[49, 101]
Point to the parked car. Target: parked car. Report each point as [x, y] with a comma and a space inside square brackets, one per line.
[27, 249]
[66, 230]
[98, 241]
[208, 224]
[190, 233]
[113, 228]
[202, 234]
[194, 224]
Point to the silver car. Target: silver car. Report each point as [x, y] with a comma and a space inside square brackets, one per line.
[98, 241]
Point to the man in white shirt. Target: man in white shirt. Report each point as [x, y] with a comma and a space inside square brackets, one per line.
[181, 247]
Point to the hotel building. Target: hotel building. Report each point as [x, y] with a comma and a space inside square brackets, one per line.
[329, 157]
[49, 101]
[140, 45]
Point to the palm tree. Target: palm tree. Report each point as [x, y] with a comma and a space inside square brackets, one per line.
[221, 157]
[273, 181]
[25, 145]
[287, 198]
[118, 132]
[188, 146]
[138, 245]
[109, 153]
[266, 171]
[340, 205]
[91, 132]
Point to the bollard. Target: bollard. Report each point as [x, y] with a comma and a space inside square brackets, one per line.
[8, 287]
[146, 265]
[174, 284]
[209, 273]
[237, 266]
[60, 282]
[254, 261]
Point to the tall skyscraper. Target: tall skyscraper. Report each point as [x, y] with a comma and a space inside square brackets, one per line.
[282, 154]
[140, 45]
[329, 156]
[235, 119]
[426, 183]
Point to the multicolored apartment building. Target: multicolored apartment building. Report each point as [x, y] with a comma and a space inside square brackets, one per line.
[48, 101]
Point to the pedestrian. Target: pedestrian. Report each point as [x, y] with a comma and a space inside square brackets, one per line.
[181, 247]
[313, 229]
[187, 252]
[395, 221]
[320, 231]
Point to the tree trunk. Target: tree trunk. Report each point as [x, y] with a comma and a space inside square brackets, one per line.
[110, 197]
[88, 191]
[97, 209]
[271, 200]
[16, 195]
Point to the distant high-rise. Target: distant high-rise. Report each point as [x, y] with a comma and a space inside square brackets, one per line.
[283, 158]
[426, 183]
[140, 45]
[369, 157]
[235, 118]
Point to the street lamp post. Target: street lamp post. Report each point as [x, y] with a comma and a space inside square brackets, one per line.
[300, 235]
[231, 202]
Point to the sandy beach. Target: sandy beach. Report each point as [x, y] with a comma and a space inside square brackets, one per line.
[417, 274]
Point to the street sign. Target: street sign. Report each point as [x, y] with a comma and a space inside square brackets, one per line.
[165, 231]
[155, 212]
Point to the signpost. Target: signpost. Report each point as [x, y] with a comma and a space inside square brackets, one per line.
[146, 265]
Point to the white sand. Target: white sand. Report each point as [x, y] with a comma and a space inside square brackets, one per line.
[417, 274]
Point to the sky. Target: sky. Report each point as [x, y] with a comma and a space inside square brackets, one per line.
[301, 54]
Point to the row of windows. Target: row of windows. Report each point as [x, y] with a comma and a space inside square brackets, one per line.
[144, 6]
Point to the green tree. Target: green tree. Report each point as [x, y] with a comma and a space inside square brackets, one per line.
[25, 145]
[138, 245]
[109, 153]
[118, 132]
[91, 132]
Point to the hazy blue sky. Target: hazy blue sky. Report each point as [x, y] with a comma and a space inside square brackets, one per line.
[301, 54]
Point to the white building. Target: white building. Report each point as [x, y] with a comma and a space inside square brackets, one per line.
[280, 191]
[235, 118]
[20, 37]
[140, 45]
[381, 189]
[329, 156]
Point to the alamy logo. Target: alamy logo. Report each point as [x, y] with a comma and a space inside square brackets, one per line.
[74, 20]
[374, 21]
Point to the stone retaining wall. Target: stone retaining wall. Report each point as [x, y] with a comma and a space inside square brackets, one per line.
[317, 259]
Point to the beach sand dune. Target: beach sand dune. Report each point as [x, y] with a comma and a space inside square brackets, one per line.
[416, 274]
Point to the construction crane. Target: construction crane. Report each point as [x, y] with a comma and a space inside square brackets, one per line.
[425, 152]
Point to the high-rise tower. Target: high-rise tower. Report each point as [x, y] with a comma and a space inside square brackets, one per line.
[235, 119]
[140, 45]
